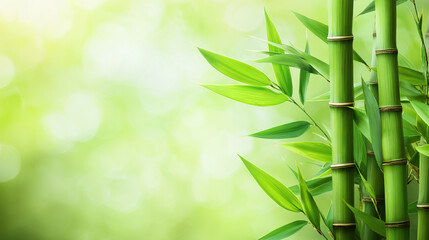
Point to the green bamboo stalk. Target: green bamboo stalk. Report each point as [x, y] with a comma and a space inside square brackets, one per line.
[341, 75]
[374, 174]
[423, 200]
[394, 160]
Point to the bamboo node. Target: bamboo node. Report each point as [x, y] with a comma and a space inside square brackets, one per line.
[343, 225]
[374, 34]
[373, 83]
[344, 104]
[342, 165]
[391, 109]
[367, 199]
[370, 153]
[427, 34]
[398, 224]
[340, 38]
[386, 51]
[423, 206]
[395, 162]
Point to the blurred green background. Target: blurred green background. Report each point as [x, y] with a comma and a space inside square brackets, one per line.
[106, 134]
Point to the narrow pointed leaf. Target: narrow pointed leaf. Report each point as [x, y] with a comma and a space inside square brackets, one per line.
[288, 60]
[412, 76]
[359, 147]
[371, 7]
[288, 130]
[372, 111]
[373, 223]
[310, 207]
[285, 231]
[362, 122]
[313, 150]
[282, 72]
[304, 77]
[273, 188]
[316, 186]
[423, 149]
[422, 110]
[235, 69]
[330, 218]
[253, 95]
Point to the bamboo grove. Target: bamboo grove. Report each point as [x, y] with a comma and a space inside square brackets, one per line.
[376, 145]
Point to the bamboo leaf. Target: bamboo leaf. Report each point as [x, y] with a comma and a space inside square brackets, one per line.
[422, 110]
[273, 188]
[371, 7]
[412, 207]
[288, 130]
[310, 206]
[423, 149]
[288, 60]
[304, 77]
[316, 186]
[313, 150]
[330, 218]
[359, 147]
[253, 95]
[282, 72]
[362, 122]
[321, 31]
[373, 223]
[372, 111]
[412, 76]
[235, 69]
[285, 231]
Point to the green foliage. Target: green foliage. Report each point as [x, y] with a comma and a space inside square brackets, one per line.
[316, 186]
[373, 223]
[313, 150]
[274, 189]
[310, 206]
[253, 95]
[371, 7]
[288, 130]
[235, 69]
[289, 60]
[304, 77]
[372, 111]
[285, 231]
[282, 72]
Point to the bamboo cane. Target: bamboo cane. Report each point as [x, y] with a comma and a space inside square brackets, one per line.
[341, 73]
[394, 160]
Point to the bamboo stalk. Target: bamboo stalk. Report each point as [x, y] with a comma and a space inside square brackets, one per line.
[394, 166]
[341, 73]
[423, 200]
[374, 174]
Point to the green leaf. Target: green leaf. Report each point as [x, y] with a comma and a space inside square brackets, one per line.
[253, 95]
[288, 60]
[288, 130]
[285, 231]
[412, 76]
[282, 72]
[310, 206]
[422, 110]
[330, 218]
[371, 7]
[372, 111]
[359, 147]
[362, 122]
[321, 30]
[304, 77]
[316, 186]
[373, 223]
[235, 69]
[423, 149]
[273, 188]
[313, 150]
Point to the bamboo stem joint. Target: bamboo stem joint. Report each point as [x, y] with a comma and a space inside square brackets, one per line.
[386, 51]
[345, 104]
[395, 162]
[341, 38]
[342, 165]
[344, 225]
[391, 109]
[398, 224]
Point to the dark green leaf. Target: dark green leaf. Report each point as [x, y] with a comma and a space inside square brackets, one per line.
[362, 122]
[310, 206]
[372, 111]
[422, 110]
[282, 72]
[330, 218]
[359, 147]
[273, 188]
[313, 150]
[285, 231]
[288, 130]
[316, 186]
[412, 207]
[371, 7]
[373, 223]
[412, 76]
[304, 77]
[253, 95]
[235, 69]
